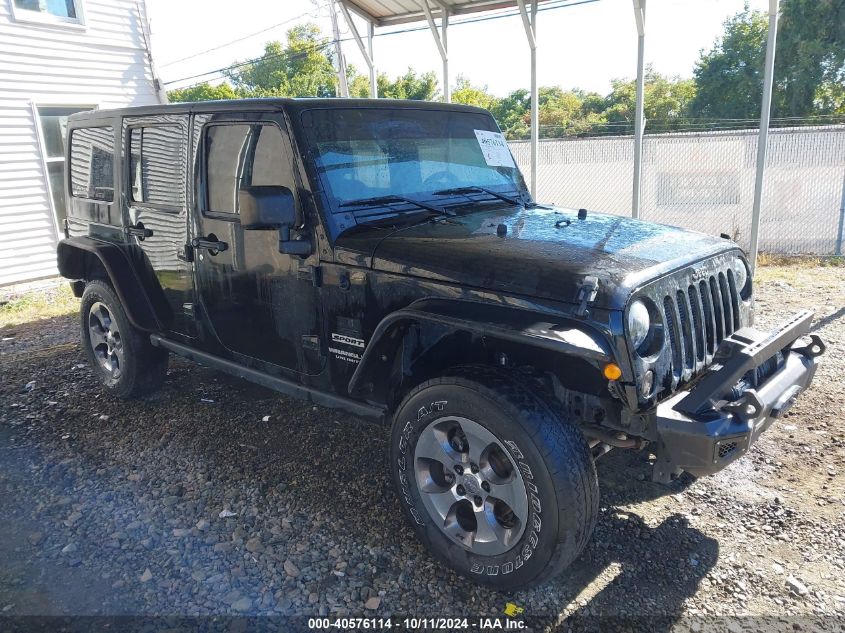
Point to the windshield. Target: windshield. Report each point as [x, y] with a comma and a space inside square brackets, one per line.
[371, 153]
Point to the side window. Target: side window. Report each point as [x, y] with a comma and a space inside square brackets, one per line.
[242, 155]
[92, 163]
[225, 149]
[156, 165]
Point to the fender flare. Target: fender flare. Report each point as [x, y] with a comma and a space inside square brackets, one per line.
[145, 308]
[563, 335]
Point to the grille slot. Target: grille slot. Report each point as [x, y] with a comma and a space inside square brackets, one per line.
[697, 325]
[697, 318]
[686, 330]
[734, 298]
[726, 305]
[717, 311]
[708, 317]
[673, 338]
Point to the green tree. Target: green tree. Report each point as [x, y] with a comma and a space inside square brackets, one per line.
[830, 98]
[561, 111]
[409, 86]
[666, 103]
[359, 85]
[729, 78]
[302, 67]
[203, 92]
[465, 92]
[577, 113]
[513, 113]
[809, 63]
[810, 60]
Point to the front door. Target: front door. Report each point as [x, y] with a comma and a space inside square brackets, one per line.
[261, 305]
[155, 194]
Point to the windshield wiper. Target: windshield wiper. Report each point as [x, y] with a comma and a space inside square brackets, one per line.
[391, 199]
[474, 189]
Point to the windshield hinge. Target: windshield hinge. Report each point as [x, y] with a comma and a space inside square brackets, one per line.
[587, 294]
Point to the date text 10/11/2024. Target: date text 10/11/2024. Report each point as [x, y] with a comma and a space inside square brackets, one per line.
[414, 624]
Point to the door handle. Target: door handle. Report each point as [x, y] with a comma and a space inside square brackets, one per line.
[139, 231]
[213, 246]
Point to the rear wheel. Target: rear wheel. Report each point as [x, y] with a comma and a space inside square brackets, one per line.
[492, 480]
[121, 355]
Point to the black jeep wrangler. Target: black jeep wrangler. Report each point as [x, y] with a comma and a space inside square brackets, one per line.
[385, 257]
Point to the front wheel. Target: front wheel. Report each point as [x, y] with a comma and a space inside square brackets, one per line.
[493, 481]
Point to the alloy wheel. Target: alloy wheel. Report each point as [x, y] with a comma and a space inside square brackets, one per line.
[470, 486]
[105, 339]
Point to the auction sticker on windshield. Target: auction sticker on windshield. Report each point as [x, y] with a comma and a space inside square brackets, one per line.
[495, 148]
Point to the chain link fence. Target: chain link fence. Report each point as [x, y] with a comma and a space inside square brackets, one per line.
[705, 182]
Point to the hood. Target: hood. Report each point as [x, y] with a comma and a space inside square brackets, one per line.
[546, 252]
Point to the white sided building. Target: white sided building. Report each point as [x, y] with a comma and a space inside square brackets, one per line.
[58, 57]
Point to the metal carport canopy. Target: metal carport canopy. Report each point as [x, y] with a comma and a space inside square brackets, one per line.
[387, 12]
[379, 13]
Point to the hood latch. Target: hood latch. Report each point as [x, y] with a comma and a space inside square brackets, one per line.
[587, 294]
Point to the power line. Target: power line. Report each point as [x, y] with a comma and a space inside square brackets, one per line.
[245, 37]
[505, 14]
[282, 55]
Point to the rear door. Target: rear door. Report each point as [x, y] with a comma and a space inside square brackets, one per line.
[155, 192]
[261, 304]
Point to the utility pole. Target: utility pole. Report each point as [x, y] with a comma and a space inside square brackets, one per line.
[341, 63]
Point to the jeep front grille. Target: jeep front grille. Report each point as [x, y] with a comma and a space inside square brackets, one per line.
[697, 319]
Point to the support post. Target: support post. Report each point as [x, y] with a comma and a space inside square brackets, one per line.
[763, 138]
[444, 29]
[343, 86]
[440, 40]
[839, 233]
[530, 24]
[366, 51]
[639, 116]
[373, 76]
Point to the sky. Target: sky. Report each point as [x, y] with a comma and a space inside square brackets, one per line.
[583, 46]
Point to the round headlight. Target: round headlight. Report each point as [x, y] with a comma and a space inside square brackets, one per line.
[639, 323]
[740, 273]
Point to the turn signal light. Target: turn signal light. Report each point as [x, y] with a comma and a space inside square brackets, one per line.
[612, 371]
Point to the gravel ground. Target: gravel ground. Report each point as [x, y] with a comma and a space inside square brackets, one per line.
[219, 497]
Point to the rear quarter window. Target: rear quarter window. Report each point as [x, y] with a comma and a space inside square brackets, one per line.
[92, 163]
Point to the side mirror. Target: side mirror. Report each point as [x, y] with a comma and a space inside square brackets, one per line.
[271, 207]
[266, 207]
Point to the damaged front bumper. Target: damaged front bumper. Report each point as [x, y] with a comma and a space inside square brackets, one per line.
[754, 379]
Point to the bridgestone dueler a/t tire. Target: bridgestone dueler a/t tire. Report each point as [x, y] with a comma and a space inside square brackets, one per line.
[144, 368]
[562, 513]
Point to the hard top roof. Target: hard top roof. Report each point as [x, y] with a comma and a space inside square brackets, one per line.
[273, 104]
